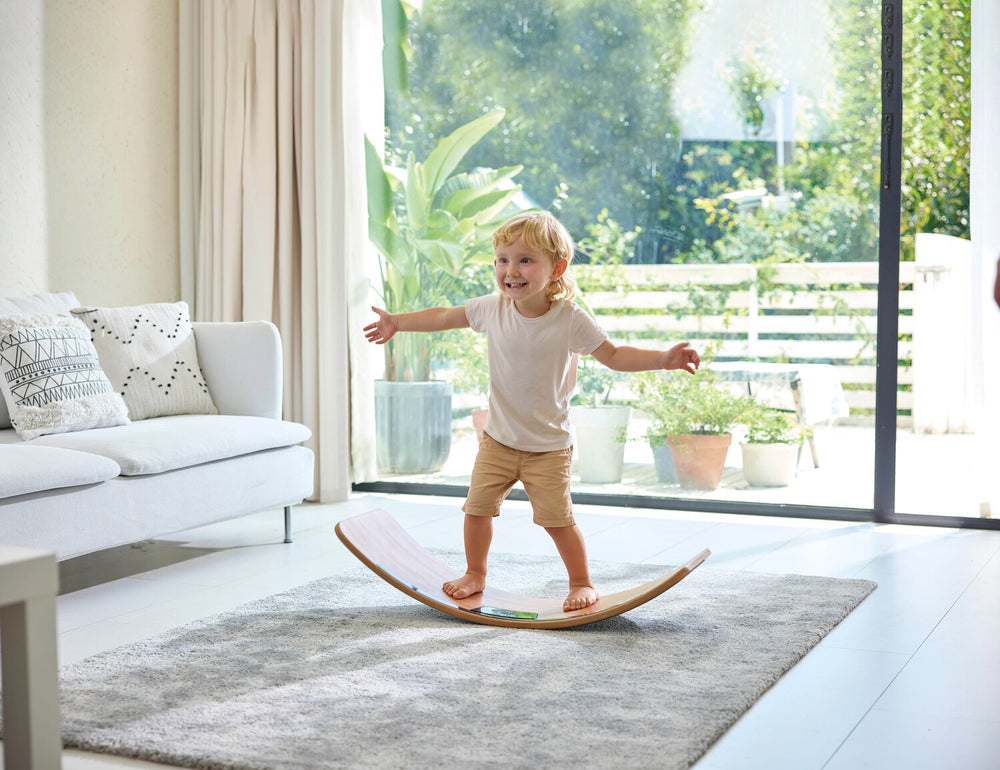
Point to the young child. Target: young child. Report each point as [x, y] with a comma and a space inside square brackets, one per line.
[534, 335]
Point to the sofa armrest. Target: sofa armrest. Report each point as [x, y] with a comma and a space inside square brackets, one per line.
[242, 366]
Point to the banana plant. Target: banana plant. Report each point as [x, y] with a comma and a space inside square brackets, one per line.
[431, 224]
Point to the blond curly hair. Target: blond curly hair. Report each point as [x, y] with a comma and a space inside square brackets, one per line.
[542, 232]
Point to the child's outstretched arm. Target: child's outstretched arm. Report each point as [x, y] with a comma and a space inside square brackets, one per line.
[433, 319]
[625, 358]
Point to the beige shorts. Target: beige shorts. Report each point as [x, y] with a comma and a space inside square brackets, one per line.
[545, 476]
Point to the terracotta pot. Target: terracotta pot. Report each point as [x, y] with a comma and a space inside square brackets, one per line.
[700, 459]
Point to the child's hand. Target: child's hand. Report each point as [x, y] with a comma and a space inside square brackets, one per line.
[680, 356]
[383, 330]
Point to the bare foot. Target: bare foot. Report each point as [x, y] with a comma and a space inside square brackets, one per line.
[470, 583]
[580, 597]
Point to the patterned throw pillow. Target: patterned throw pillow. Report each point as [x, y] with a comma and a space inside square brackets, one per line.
[149, 354]
[47, 304]
[51, 377]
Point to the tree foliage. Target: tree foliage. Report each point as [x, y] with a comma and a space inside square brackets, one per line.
[937, 116]
[587, 88]
[837, 180]
[586, 85]
[936, 120]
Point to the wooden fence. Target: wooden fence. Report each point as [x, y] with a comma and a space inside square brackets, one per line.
[789, 313]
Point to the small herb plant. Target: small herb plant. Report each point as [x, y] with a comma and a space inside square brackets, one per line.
[679, 403]
[770, 426]
[593, 384]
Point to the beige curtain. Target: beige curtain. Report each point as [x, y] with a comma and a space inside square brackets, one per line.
[275, 96]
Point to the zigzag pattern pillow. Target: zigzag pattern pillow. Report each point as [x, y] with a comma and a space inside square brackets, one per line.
[51, 377]
[150, 356]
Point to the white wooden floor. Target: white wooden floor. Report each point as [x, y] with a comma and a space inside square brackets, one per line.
[910, 680]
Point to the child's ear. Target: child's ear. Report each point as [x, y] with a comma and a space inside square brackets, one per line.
[560, 267]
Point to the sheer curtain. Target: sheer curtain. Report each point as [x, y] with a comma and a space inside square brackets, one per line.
[275, 96]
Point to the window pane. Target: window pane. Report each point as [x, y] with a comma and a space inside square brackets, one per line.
[719, 169]
[945, 448]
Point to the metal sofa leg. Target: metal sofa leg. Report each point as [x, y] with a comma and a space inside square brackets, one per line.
[288, 523]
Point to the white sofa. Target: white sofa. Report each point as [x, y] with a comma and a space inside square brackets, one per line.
[78, 492]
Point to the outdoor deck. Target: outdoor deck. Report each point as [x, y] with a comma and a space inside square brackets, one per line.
[947, 474]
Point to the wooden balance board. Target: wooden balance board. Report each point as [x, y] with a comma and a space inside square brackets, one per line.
[382, 544]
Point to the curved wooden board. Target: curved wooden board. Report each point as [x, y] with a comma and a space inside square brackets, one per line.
[382, 545]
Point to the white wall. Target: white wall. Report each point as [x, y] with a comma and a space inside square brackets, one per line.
[23, 252]
[95, 137]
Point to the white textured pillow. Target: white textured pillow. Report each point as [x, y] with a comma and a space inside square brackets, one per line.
[51, 377]
[48, 303]
[150, 356]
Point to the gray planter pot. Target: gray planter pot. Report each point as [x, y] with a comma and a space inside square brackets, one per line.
[663, 460]
[412, 426]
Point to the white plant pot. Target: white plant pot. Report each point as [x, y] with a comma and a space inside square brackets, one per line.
[770, 465]
[600, 446]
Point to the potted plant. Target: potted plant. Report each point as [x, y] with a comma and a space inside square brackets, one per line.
[599, 425]
[431, 226]
[771, 448]
[695, 415]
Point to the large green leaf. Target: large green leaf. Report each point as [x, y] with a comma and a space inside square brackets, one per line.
[412, 293]
[395, 45]
[392, 246]
[466, 203]
[481, 253]
[445, 254]
[441, 224]
[379, 190]
[486, 207]
[481, 181]
[417, 199]
[450, 150]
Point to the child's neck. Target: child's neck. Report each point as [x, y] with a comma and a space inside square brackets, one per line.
[533, 308]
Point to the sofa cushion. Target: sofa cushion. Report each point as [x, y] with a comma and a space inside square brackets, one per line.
[27, 468]
[57, 304]
[180, 441]
[150, 356]
[51, 379]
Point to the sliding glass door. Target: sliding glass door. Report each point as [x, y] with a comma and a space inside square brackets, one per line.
[945, 451]
[722, 167]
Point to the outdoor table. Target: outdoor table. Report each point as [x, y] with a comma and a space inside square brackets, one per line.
[811, 391]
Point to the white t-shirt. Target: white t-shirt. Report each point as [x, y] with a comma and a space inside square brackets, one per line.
[532, 369]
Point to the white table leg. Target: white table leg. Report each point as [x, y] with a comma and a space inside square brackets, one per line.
[32, 739]
[797, 396]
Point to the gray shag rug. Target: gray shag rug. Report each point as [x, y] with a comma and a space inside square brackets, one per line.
[348, 672]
